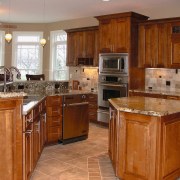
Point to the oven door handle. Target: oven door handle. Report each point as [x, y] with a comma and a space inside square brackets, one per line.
[113, 85]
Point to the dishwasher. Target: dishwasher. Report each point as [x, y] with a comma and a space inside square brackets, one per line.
[75, 118]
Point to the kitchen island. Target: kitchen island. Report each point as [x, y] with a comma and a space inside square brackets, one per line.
[144, 138]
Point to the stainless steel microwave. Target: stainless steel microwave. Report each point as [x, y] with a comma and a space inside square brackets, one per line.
[113, 63]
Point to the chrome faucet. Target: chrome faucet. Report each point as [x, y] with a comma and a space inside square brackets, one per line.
[6, 70]
[17, 70]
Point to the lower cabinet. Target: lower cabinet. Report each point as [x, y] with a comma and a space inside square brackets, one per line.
[28, 145]
[34, 137]
[112, 148]
[11, 158]
[54, 119]
[93, 107]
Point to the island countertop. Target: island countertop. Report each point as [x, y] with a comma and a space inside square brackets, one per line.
[146, 105]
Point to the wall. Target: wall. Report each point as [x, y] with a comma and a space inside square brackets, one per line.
[46, 28]
[88, 77]
[163, 79]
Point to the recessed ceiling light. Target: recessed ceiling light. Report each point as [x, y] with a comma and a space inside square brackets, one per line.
[105, 0]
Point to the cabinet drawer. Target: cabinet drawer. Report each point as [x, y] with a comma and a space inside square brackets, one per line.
[54, 134]
[93, 106]
[54, 100]
[93, 116]
[173, 97]
[93, 98]
[27, 120]
[54, 111]
[36, 111]
[54, 121]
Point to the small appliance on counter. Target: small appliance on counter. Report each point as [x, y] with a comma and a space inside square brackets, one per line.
[112, 82]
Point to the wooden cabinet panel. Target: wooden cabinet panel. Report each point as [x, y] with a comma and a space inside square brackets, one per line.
[105, 36]
[121, 41]
[54, 119]
[93, 107]
[172, 146]
[112, 148]
[71, 49]
[114, 35]
[82, 42]
[11, 139]
[159, 46]
[54, 134]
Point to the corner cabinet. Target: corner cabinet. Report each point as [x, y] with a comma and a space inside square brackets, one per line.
[159, 44]
[11, 139]
[82, 46]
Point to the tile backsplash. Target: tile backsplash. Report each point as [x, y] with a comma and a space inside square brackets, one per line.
[87, 77]
[162, 79]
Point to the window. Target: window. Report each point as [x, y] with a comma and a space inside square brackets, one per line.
[2, 42]
[59, 70]
[27, 52]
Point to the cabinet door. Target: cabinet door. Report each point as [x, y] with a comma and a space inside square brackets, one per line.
[162, 58]
[121, 36]
[89, 45]
[174, 45]
[71, 49]
[28, 135]
[105, 35]
[96, 48]
[80, 44]
[147, 45]
[112, 148]
[36, 140]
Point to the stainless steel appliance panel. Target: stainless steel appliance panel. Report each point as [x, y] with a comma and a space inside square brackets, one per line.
[113, 63]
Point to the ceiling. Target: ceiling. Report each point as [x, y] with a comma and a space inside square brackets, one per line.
[34, 11]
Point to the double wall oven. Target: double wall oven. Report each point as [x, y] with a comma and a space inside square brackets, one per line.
[113, 81]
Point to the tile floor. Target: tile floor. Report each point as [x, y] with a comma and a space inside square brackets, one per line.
[83, 160]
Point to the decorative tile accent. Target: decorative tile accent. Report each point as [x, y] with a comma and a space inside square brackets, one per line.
[156, 78]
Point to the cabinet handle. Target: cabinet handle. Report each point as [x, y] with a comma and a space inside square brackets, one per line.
[28, 132]
[56, 111]
[30, 120]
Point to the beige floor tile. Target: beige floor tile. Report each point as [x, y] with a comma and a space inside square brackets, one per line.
[82, 160]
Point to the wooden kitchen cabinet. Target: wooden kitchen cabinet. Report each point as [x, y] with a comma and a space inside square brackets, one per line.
[93, 106]
[153, 45]
[174, 54]
[82, 47]
[54, 119]
[114, 34]
[118, 33]
[28, 163]
[112, 141]
[11, 139]
[158, 45]
[71, 49]
[146, 147]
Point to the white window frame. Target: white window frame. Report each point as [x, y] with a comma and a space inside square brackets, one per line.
[2, 47]
[52, 46]
[15, 43]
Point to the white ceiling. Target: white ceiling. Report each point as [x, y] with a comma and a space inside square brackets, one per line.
[31, 11]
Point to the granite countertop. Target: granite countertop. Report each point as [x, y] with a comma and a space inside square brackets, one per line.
[146, 105]
[31, 100]
[162, 92]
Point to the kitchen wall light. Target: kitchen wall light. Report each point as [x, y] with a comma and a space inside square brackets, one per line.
[8, 37]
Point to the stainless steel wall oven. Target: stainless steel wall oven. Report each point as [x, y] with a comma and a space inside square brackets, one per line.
[113, 81]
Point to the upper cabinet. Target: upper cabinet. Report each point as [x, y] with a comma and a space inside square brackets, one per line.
[82, 46]
[114, 34]
[158, 45]
[174, 57]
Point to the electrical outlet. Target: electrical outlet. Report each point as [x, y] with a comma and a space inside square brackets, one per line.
[168, 83]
